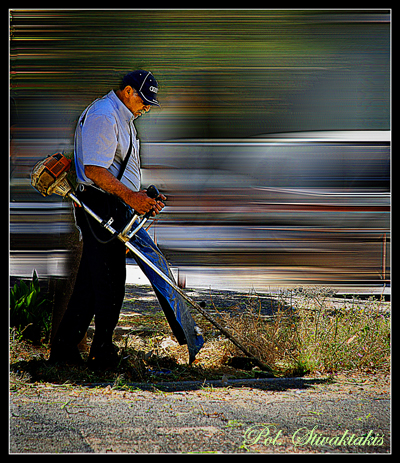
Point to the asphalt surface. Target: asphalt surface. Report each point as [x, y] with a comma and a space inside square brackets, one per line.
[265, 416]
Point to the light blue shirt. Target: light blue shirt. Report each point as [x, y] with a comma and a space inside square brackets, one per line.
[102, 138]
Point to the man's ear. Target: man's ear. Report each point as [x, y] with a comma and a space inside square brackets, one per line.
[128, 90]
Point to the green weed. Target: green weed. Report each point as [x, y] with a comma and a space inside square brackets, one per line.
[315, 333]
[30, 311]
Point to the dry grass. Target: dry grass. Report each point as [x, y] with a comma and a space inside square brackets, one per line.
[355, 335]
[307, 332]
[271, 339]
[315, 333]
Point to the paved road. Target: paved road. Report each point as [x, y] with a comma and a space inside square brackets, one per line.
[269, 416]
[243, 279]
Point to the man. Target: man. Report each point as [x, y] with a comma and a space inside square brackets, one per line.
[108, 175]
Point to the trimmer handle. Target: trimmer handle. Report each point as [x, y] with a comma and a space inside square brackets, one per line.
[153, 193]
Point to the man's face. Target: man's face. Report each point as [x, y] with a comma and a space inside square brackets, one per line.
[134, 102]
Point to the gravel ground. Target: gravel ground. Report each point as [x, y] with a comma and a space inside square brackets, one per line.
[309, 415]
[349, 413]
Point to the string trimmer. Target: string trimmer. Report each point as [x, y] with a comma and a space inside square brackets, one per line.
[50, 176]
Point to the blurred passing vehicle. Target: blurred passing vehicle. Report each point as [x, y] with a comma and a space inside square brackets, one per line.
[317, 203]
[298, 207]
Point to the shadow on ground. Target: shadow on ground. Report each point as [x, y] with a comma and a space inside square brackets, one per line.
[142, 298]
[34, 371]
[140, 308]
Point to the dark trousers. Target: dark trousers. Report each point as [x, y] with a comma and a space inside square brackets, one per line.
[100, 284]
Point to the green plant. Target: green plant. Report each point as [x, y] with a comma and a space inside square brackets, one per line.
[315, 332]
[337, 336]
[30, 311]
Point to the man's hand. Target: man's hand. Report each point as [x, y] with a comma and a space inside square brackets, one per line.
[143, 203]
[159, 205]
[138, 200]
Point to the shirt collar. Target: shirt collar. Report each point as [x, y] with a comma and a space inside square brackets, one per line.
[124, 112]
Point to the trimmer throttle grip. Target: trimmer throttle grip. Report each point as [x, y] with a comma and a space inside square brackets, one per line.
[153, 192]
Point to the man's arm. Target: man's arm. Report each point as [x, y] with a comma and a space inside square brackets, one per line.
[139, 200]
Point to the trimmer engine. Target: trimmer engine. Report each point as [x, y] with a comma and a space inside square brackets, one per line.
[49, 176]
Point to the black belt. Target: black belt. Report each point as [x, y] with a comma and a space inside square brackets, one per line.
[106, 205]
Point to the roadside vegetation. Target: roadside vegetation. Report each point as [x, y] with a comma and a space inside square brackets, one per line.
[318, 333]
[30, 311]
[307, 331]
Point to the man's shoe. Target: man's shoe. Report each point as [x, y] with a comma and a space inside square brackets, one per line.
[65, 355]
[103, 357]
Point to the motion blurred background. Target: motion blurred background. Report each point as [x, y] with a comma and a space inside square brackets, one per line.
[272, 142]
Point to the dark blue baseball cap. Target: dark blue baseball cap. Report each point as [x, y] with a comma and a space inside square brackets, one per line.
[145, 84]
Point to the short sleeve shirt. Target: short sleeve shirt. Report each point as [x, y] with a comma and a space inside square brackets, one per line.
[102, 138]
